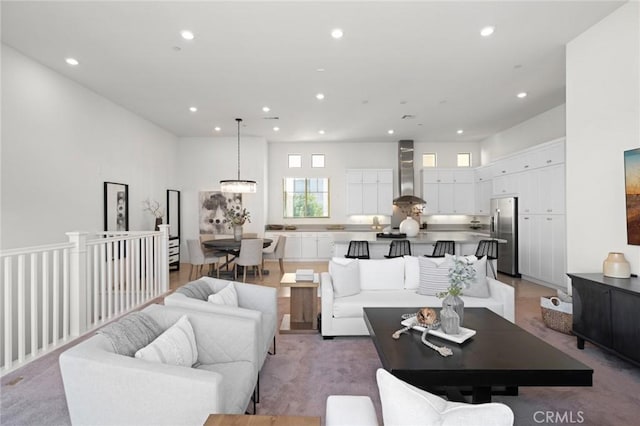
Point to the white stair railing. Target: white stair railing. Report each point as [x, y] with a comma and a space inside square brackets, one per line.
[52, 294]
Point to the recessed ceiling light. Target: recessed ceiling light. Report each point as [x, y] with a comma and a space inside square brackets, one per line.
[320, 69]
[266, 109]
[321, 132]
[217, 128]
[390, 131]
[187, 35]
[193, 109]
[337, 33]
[487, 31]
[320, 96]
[522, 95]
[460, 131]
[275, 129]
[72, 61]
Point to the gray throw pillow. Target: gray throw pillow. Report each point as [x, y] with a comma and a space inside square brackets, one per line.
[132, 332]
[198, 289]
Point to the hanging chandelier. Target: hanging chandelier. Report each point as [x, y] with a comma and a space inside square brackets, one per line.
[238, 185]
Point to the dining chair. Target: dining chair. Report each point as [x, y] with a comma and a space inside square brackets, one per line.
[198, 258]
[488, 248]
[443, 247]
[211, 252]
[358, 250]
[399, 248]
[276, 251]
[250, 255]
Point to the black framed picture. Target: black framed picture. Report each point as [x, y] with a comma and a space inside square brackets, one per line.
[116, 206]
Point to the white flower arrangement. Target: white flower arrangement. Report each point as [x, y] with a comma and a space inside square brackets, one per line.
[153, 207]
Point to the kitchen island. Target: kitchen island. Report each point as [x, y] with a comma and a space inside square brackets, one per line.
[466, 242]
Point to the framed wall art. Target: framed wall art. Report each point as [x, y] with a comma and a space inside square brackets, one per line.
[213, 206]
[632, 194]
[116, 207]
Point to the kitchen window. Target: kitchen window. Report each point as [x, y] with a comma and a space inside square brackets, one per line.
[295, 161]
[306, 197]
[429, 159]
[464, 159]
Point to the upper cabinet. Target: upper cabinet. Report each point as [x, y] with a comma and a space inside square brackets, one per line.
[369, 191]
[448, 191]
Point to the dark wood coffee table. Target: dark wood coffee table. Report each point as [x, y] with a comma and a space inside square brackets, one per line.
[497, 360]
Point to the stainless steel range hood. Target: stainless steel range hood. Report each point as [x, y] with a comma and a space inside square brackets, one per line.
[406, 178]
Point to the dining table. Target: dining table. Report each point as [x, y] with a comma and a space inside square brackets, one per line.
[231, 247]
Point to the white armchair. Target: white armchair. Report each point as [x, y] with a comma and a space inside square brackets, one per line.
[403, 404]
[256, 302]
[103, 387]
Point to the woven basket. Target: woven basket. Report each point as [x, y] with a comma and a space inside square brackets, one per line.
[556, 314]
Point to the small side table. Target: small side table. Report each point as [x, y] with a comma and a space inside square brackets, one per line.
[255, 420]
[303, 308]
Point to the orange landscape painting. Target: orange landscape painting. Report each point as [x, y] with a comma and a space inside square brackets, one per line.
[632, 190]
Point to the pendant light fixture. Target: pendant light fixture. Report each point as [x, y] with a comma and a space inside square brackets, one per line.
[238, 185]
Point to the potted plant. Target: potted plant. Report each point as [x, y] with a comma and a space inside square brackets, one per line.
[154, 208]
[460, 277]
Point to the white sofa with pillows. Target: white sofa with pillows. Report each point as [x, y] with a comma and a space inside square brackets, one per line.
[409, 281]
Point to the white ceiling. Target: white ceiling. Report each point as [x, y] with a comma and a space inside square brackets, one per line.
[418, 58]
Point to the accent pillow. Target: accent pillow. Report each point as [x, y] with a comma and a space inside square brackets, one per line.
[199, 289]
[382, 274]
[131, 332]
[345, 275]
[434, 275]
[403, 404]
[226, 296]
[176, 346]
[411, 272]
[479, 287]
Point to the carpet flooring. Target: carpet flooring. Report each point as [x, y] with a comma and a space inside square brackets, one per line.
[306, 369]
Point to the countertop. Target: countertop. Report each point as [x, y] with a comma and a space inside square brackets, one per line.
[424, 237]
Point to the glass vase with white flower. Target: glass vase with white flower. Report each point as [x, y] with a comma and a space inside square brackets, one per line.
[235, 219]
[461, 275]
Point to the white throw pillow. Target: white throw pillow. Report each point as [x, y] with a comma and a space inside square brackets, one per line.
[382, 274]
[176, 346]
[403, 404]
[411, 272]
[434, 275]
[345, 276]
[479, 286]
[226, 296]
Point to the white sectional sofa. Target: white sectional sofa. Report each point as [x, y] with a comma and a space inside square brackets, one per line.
[352, 284]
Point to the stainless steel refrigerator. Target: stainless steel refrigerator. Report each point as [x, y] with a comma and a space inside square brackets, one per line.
[504, 225]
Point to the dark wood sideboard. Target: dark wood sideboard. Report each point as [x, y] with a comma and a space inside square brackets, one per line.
[606, 312]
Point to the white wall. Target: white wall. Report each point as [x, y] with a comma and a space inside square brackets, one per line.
[60, 142]
[203, 162]
[340, 156]
[542, 128]
[603, 116]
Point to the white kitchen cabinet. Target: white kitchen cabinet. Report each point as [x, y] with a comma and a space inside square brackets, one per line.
[448, 191]
[483, 190]
[551, 181]
[504, 185]
[552, 249]
[369, 191]
[308, 245]
[325, 245]
[542, 248]
[549, 154]
[528, 191]
[528, 246]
